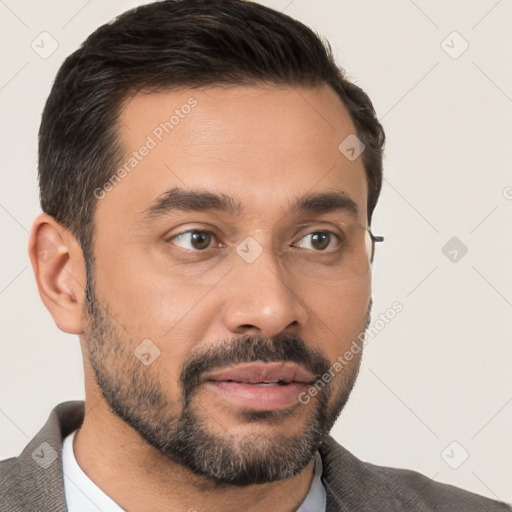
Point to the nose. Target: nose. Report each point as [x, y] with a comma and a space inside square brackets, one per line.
[261, 300]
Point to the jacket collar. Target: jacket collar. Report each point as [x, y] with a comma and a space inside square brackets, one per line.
[40, 464]
[343, 474]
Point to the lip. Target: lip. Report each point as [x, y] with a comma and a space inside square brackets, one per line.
[256, 386]
[259, 372]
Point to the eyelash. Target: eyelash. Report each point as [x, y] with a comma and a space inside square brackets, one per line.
[169, 240]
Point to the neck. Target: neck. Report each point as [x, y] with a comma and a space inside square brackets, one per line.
[138, 477]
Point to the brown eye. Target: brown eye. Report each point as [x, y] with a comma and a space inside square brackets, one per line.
[319, 240]
[193, 240]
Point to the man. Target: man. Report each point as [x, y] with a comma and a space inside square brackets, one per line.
[208, 177]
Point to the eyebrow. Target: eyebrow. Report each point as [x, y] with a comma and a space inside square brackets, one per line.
[179, 199]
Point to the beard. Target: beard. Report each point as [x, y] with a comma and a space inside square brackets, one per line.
[180, 428]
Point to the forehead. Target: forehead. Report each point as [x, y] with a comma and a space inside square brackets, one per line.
[264, 146]
[241, 114]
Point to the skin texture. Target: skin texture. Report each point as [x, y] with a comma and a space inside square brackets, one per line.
[264, 146]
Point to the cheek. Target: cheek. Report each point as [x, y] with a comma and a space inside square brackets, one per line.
[338, 314]
[144, 293]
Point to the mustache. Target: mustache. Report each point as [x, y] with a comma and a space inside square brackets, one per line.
[249, 349]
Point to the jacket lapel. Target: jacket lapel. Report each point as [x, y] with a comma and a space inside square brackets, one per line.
[40, 464]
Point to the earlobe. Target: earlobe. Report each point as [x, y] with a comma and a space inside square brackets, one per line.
[58, 265]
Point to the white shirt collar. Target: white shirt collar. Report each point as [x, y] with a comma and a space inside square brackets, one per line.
[83, 495]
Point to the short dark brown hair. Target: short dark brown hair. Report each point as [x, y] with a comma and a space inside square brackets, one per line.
[175, 44]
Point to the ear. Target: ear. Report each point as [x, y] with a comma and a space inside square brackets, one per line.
[59, 269]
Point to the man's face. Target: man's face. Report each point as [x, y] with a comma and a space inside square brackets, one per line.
[186, 333]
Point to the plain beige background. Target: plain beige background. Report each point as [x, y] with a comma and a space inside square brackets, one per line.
[435, 384]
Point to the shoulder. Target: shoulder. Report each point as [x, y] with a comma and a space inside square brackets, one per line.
[10, 480]
[34, 479]
[354, 485]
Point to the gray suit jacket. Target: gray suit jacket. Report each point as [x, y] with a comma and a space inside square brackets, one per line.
[34, 482]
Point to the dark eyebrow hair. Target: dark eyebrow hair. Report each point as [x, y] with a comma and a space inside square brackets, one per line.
[192, 200]
[325, 202]
[200, 200]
